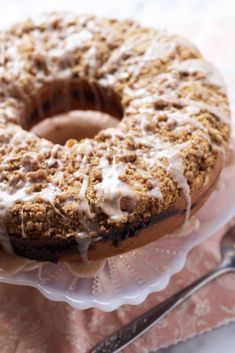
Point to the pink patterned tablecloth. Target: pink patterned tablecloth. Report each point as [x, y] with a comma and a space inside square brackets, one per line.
[30, 323]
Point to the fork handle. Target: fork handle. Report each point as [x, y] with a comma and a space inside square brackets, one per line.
[127, 334]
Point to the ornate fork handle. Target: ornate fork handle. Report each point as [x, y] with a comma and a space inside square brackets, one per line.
[127, 334]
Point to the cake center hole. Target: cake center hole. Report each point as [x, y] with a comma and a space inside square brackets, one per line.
[72, 109]
[76, 124]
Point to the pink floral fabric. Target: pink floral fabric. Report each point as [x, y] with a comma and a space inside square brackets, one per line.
[30, 323]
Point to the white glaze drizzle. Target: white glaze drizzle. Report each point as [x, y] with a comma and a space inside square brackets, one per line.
[113, 132]
[176, 170]
[24, 235]
[84, 204]
[186, 102]
[208, 73]
[155, 192]
[222, 116]
[83, 240]
[159, 50]
[111, 190]
[90, 56]
[159, 149]
[158, 46]
[77, 40]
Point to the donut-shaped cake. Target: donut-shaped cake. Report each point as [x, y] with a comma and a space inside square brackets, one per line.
[128, 185]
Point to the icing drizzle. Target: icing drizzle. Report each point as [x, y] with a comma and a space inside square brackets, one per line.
[111, 190]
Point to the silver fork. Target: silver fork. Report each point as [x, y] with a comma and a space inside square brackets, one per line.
[136, 328]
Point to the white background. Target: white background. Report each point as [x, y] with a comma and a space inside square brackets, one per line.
[158, 13]
[153, 12]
